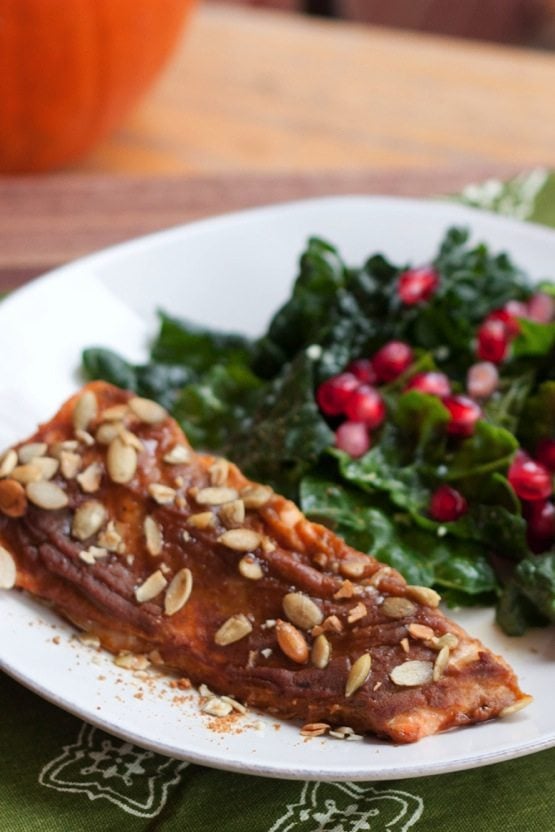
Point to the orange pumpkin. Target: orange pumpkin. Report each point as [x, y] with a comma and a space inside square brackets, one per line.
[70, 71]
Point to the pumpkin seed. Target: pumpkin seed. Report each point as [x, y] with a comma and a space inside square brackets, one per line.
[178, 592]
[121, 461]
[13, 500]
[150, 588]
[397, 607]
[47, 495]
[153, 536]
[232, 630]
[412, 674]
[292, 642]
[240, 540]
[302, 610]
[358, 674]
[147, 411]
[84, 411]
[8, 570]
[27, 453]
[88, 519]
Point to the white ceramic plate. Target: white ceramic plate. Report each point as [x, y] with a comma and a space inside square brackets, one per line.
[232, 272]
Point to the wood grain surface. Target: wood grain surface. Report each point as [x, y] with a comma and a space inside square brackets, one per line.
[269, 91]
[46, 221]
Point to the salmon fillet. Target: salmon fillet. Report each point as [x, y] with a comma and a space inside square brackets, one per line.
[107, 514]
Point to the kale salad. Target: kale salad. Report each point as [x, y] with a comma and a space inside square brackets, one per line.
[409, 408]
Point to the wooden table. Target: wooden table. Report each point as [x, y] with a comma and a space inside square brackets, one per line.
[259, 106]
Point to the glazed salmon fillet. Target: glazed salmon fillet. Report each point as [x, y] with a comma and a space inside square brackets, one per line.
[107, 514]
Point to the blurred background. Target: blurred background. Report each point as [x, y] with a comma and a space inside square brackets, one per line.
[505, 21]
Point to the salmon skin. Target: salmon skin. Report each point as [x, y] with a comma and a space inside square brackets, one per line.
[108, 514]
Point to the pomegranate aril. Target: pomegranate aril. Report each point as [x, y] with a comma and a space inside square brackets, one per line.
[353, 438]
[541, 308]
[540, 532]
[493, 341]
[435, 384]
[509, 315]
[482, 380]
[447, 504]
[463, 413]
[417, 285]
[367, 406]
[530, 479]
[333, 394]
[363, 370]
[392, 360]
[545, 453]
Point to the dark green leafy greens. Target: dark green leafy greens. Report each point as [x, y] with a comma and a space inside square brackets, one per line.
[254, 401]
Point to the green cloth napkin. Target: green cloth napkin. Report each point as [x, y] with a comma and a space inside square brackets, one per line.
[58, 774]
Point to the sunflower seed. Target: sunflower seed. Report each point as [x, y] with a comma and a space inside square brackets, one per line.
[411, 674]
[232, 630]
[88, 519]
[147, 411]
[516, 706]
[449, 640]
[107, 432]
[92, 554]
[150, 588]
[321, 652]
[302, 610]
[131, 661]
[397, 607]
[85, 410]
[27, 453]
[8, 461]
[216, 707]
[216, 496]
[161, 494]
[85, 437]
[424, 595]
[354, 568]
[255, 496]
[46, 495]
[240, 540]
[13, 500]
[178, 455]
[153, 536]
[440, 664]
[237, 706]
[232, 514]
[314, 729]
[250, 568]
[292, 642]
[203, 520]
[57, 448]
[129, 438]
[219, 472]
[115, 413]
[47, 465]
[358, 674]
[178, 592]
[7, 569]
[70, 464]
[90, 478]
[420, 631]
[121, 461]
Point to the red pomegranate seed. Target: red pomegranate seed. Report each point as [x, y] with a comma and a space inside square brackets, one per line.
[363, 369]
[493, 341]
[540, 531]
[482, 380]
[530, 480]
[417, 285]
[541, 308]
[367, 406]
[545, 453]
[333, 394]
[464, 413]
[391, 360]
[353, 438]
[447, 504]
[435, 384]
[509, 315]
